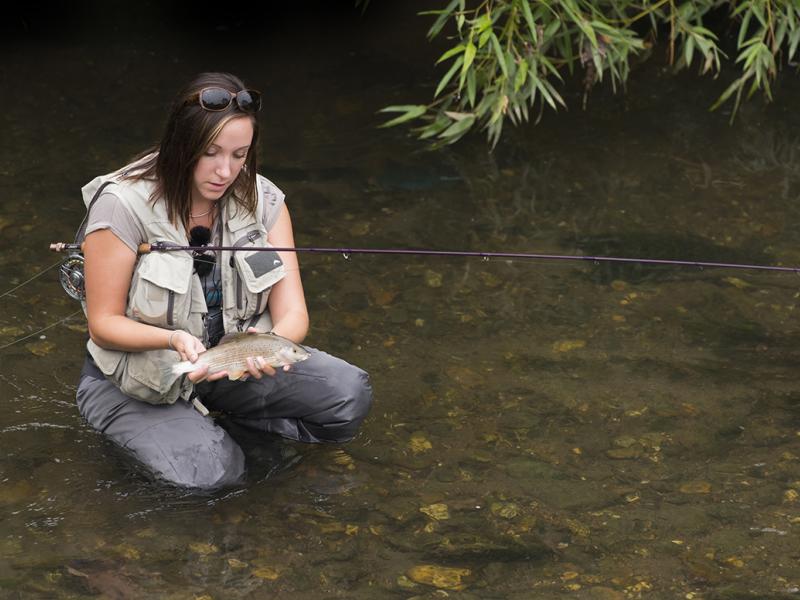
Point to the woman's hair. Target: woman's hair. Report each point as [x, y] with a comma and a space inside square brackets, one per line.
[189, 131]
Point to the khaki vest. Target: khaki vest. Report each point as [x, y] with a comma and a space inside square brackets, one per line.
[166, 292]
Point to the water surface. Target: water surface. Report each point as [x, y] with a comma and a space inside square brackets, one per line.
[541, 429]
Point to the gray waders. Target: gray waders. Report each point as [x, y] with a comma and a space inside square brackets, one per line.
[322, 399]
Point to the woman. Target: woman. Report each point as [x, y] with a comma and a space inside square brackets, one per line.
[200, 183]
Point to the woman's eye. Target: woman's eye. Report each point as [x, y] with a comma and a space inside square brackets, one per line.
[242, 157]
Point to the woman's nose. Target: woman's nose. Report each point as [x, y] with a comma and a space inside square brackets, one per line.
[224, 167]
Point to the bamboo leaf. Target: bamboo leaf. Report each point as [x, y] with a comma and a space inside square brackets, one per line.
[688, 51]
[450, 53]
[498, 52]
[471, 87]
[526, 12]
[469, 56]
[438, 24]
[435, 128]
[448, 76]
[458, 128]
[412, 111]
[521, 76]
[794, 40]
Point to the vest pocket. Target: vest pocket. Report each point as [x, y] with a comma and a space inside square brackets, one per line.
[140, 375]
[255, 272]
[159, 290]
[145, 378]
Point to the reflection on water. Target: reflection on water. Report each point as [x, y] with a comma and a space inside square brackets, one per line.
[545, 430]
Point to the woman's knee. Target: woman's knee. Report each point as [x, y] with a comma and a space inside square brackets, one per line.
[350, 402]
[203, 458]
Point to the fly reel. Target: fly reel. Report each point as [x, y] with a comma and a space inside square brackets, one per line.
[71, 276]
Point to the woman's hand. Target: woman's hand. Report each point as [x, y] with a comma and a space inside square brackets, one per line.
[189, 348]
[185, 344]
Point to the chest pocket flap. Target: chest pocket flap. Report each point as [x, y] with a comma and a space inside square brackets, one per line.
[260, 269]
[170, 270]
[160, 290]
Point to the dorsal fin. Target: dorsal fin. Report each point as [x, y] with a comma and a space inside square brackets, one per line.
[232, 337]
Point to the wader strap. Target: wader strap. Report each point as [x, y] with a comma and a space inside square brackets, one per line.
[85, 222]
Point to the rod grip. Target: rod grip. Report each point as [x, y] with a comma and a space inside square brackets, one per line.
[65, 247]
[144, 248]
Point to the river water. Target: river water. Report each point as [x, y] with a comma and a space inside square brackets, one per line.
[540, 429]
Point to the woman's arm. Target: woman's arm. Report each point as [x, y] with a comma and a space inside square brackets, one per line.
[287, 303]
[109, 269]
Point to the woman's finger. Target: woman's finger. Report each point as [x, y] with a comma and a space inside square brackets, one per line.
[264, 366]
[198, 375]
[253, 368]
[217, 375]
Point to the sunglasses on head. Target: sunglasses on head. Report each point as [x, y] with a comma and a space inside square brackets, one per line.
[217, 98]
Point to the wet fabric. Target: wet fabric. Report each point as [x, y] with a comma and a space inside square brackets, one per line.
[322, 399]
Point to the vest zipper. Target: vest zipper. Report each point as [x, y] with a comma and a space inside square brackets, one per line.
[171, 294]
[171, 309]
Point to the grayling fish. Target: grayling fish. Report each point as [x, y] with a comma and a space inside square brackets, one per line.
[233, 349]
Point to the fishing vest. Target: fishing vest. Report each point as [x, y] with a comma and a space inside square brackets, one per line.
[166, 292]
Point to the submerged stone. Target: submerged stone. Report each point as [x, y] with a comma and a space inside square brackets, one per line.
[447, 578]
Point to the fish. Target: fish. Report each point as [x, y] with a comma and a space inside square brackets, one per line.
[234, 348]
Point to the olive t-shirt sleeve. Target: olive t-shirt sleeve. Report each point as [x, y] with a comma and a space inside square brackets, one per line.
[108, 212]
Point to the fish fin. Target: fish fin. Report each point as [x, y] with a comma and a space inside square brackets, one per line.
[178, 368]
[231, 337]
[234, 375]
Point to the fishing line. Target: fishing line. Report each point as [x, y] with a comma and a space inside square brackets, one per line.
[27, 337]
[39, 274]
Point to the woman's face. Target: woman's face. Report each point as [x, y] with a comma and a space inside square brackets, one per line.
[220, 164]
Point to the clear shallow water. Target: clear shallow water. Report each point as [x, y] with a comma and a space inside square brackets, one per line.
[548, 430]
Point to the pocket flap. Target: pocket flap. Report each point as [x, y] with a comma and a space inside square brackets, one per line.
[259, 270]
[106, 360]
[170, 270]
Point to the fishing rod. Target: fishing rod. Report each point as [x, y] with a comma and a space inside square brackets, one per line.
[71, 274]
[486, 255]
[72, 277]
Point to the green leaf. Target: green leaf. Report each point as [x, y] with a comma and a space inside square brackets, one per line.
[471, 87]
[412, 111]
[484, 37]
[521, 76]
[546, 93]
[469, 56]
[483, 23]
[743, 27]
[794, 40]
[452, 52]
[688, 51]
[498, 52]
[526, 12]
[449, 75]
[435, 128]
[443, 16]
[458, 128]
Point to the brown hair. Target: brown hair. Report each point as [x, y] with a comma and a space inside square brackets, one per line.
[189, 131]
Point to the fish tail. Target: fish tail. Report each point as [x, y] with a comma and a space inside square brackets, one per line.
[180, 368]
